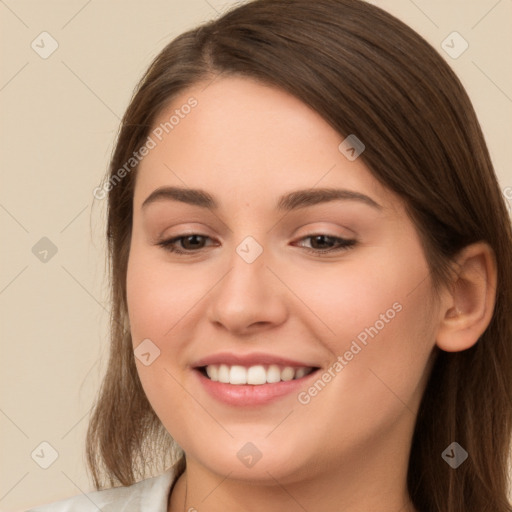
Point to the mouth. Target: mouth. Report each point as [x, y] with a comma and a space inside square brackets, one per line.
[256, 375]
[252, 385]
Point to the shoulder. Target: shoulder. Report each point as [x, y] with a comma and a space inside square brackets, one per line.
[151, 494]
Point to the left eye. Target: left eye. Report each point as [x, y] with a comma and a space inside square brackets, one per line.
[322, 240]
[191, 243]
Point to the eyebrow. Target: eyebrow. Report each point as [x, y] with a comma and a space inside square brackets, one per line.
[291, 201]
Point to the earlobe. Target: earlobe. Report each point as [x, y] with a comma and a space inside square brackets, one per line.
[468, 307]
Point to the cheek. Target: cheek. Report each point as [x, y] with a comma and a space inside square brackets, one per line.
[377, 318]
[365, 297]
[158, 297]
[157, 301]
[374, 313]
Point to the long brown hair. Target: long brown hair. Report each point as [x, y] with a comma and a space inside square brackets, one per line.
[366, 73]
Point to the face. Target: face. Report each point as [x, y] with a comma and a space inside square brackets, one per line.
[321, 304]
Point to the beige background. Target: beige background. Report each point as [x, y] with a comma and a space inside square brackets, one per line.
[59, 117]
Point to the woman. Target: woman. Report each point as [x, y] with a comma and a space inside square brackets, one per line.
[311, 283]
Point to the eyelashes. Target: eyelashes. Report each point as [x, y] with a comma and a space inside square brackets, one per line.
[171, 244]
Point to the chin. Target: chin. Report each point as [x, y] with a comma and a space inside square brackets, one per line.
[259, 460]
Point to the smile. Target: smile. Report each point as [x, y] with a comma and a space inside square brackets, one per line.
[256, 375]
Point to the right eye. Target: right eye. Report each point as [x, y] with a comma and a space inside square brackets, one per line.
[189, 243]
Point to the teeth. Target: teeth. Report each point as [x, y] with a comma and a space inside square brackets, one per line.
[256, 375]
[212, 372]
[273, 374]
[287, 373]
[301, 372]
[223, 375]
[237, 375]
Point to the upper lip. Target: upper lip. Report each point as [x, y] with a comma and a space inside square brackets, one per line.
[253, 359]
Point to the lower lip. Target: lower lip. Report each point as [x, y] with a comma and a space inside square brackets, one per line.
[247, 394]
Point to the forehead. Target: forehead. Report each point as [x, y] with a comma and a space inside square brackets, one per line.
[246, 139]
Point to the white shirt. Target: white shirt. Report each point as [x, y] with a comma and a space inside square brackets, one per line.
[149, 495]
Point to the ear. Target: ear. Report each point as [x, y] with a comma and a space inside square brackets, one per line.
[468, 307]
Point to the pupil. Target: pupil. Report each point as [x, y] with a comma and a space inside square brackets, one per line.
[321, 238]
[191, 237]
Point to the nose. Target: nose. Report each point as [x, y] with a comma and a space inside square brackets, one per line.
[249, 297]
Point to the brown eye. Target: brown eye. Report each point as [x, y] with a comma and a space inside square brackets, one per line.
[189, 243]
[321, 243]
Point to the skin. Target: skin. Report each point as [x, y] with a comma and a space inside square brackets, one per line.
[348, 448]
